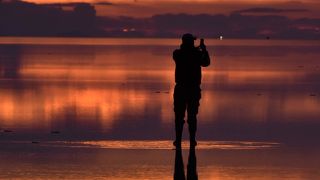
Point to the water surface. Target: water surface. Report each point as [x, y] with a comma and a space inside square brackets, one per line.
[122, 89]
[102, 108]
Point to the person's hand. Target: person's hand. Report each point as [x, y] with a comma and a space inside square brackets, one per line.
[202, 45]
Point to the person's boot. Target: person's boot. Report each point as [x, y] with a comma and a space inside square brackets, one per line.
[179, 130]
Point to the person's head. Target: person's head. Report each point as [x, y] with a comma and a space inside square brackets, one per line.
[188, 40]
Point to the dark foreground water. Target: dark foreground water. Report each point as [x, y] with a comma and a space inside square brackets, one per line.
[41, 161]
[85, 98]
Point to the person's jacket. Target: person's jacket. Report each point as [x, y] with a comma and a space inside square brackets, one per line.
[189, 61]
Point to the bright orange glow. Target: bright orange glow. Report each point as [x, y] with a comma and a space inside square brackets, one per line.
[230, 145]
[7, 107]
[108, 102]
[115, 81]
[169, 1]
[84, 103]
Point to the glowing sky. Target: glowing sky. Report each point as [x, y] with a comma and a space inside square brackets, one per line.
[144, 8]
[182, 1]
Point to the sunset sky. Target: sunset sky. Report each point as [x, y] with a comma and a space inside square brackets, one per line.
[279, 19]
[144, 8]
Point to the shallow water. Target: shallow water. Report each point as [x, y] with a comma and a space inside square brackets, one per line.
[56, 160]
[122, 89]
[102, 108]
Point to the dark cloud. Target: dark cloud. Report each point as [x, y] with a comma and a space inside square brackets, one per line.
[103, 3]
[71, 4]
[237, 26]
[269, 10]
[18, 18]
[27, 19]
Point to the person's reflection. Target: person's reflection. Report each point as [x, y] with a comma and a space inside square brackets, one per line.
[178, 166]
[191, 167]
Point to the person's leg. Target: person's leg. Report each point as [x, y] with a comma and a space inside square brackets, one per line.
[192, 122]
[179, 122]
[179, 109]
[193, 106]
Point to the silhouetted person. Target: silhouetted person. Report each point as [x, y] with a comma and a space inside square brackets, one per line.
[191, 167]
[187, 93]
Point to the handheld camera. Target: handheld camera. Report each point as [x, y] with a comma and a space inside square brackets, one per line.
[202, 45]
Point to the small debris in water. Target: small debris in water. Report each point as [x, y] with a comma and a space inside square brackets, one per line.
[55, 132]
[7, 131]
[158, 92]
[312, 95]
[35, 142]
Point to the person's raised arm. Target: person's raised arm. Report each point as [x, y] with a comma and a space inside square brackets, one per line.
[205, 58]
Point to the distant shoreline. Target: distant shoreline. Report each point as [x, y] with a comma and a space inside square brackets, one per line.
[37, 40]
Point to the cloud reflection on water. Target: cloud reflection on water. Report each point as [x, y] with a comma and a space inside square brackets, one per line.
[125, 92]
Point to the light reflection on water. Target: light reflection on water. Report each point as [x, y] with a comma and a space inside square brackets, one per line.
[110, 89]
[154, 145]
[65, 160]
